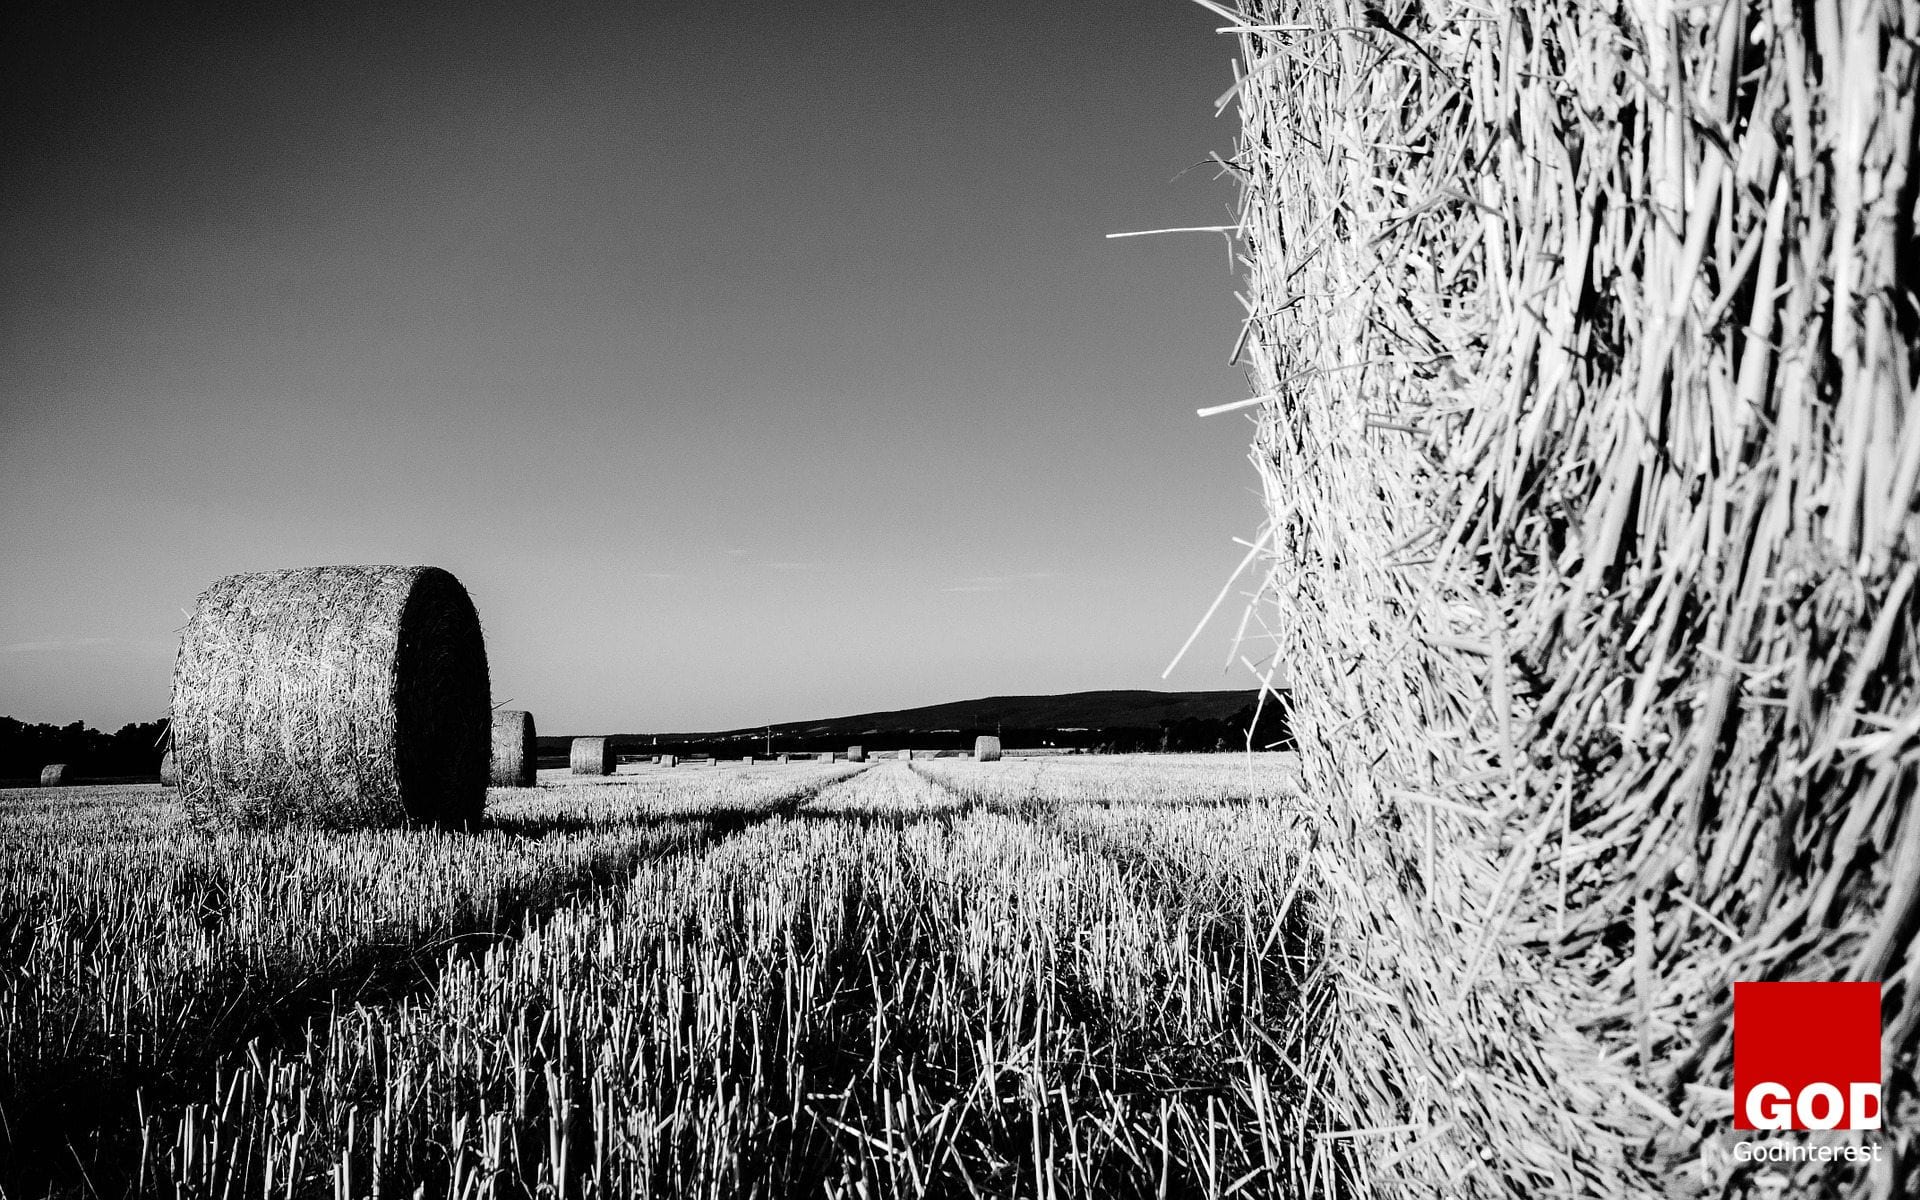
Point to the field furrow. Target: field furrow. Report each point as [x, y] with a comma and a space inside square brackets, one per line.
[138, 953]
[883, 989]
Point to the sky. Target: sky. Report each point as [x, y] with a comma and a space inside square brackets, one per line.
[747, 363]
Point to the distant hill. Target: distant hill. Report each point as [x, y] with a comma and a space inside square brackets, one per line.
[1142, 720]
[1075, 710]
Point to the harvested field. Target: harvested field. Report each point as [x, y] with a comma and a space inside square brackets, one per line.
[772, 980]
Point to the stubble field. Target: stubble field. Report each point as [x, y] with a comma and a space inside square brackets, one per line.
[1038, 977]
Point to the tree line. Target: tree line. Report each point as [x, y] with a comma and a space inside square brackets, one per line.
[134, 749]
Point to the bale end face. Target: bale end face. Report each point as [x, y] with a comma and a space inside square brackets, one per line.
[591, 756]
[515, 754]
[986, 748]
[56, 775]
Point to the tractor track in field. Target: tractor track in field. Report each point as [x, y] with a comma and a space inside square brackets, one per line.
[87, 1107]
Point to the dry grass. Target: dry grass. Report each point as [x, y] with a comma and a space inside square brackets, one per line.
[807, 980]
[1583, 348]
[341, 696]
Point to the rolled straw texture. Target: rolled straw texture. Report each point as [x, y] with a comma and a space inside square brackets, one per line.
[986, 748]
[591, 756]
[342, 696]
[169, 771]
[856, 754]
[1585, 343]
[55, 775]
[516, 757]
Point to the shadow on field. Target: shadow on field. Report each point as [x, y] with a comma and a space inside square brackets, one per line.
[901, 1097]
[72, 1126]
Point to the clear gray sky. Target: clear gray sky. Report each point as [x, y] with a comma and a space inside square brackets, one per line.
[746, 366]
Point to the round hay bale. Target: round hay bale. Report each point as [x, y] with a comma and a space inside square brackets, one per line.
[169, 771]
[856, 754]
[591, 756]
[906, 756]
[55, 775]
[669, 760]
[986, 748]
[784, 758]
[515, 755]
[341, 696]
[825, 756]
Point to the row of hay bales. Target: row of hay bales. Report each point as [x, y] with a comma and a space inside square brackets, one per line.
[594, 755]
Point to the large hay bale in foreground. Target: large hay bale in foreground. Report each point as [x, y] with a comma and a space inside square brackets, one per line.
[55, 775]
[986, 748]
[1582, 346]
[515, 753]
[169, 771]
[591, 756]
[341, 696]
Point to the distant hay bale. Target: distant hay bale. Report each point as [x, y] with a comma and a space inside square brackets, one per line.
[825, 756]
[169, 771]
[591, 756]
[856, 754]
[669, 760]
[986, 748]
[906, 756]
[55, 775]
[342, 696]
[784, 758]
[514, 755]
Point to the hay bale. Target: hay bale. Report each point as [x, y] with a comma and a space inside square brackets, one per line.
[986, 748]
[56, 775]
[825, 756]
[169, 771]
[669, 760]
[906, 756]
[591, 756]
[514, 754]
[784, 758]
[341, 696]
[1704, 316]
[856, 754]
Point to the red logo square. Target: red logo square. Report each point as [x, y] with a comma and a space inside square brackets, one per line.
[1806, 1056]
